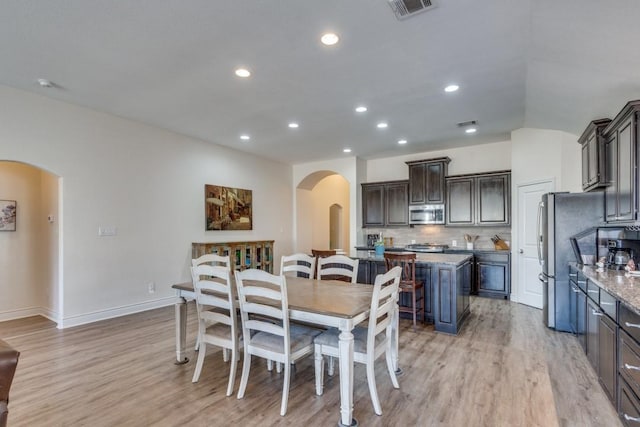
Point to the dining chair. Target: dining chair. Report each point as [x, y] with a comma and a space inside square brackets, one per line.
[408, 283]
[216, 261]
[267, 333]
[217, 319]
[368, 343]
[319, 253]
[301, 265]
[338, 267]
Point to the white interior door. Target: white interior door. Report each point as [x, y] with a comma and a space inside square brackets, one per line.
[529, 287]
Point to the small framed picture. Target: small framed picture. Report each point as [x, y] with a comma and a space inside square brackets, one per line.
[8, 210]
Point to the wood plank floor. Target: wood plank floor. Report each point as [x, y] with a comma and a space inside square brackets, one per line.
[504, 369]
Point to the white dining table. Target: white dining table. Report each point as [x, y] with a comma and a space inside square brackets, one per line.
[328, 303]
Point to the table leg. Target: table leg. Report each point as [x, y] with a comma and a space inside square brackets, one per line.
[345, 346]
[181, 330]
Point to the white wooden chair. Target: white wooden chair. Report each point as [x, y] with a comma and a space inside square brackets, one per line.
[293, 265]
[370, 342]
[338, 267]
[265, 326]
[217, 319]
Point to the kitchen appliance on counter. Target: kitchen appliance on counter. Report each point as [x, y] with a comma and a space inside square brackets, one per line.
[372, 239]
[561, 216]
[426, 247]
[621, 251]
[426, 214]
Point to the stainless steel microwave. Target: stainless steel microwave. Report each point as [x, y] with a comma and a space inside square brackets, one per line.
[426, 214]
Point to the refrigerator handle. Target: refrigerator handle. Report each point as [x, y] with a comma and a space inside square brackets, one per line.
[539, 232]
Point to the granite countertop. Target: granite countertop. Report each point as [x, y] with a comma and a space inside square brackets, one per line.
[431, 258]
[624, 287]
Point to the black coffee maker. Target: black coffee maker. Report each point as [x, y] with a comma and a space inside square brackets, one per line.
[621, 251]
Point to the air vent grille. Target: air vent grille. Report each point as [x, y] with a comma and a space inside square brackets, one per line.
[469, 123]
[406, 8]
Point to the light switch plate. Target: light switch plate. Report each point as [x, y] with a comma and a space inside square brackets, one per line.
[107, 230]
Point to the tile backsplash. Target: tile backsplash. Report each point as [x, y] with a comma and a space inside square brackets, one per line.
[441, 235]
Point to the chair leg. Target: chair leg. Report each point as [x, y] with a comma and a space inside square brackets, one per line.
[285, 388]
[392, 372]
[413, 296]
[332, 366]
[225, 355]
[246, 366]
[199, 363]
[269, 365]
[371, 379]
[278, 367]
[232, 370]
[319, 365]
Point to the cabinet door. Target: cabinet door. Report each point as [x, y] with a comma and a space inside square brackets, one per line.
[373, 205]
[585, 166]
[611, 171]
[581, 311]
[626, 175]
[573, 307]
[607, 334]
[435, 183]
[417, 184]
[593, 322]
[593, 163]
[397, 208]
[492, 277]
[494, 195]
[460, 201]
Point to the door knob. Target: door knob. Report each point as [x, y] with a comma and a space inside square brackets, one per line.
[521, 251]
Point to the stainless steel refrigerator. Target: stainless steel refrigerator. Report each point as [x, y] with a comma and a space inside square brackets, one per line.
[561, 216]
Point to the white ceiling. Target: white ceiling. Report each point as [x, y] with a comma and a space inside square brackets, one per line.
[544, 63]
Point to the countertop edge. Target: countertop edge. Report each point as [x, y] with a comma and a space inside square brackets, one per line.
[623, 287]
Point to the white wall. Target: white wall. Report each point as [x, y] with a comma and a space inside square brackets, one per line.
[541, 154]
[28, 278]
[477, 158]
[147, 182]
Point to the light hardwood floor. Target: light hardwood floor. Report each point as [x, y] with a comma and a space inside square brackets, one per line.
[504, 369]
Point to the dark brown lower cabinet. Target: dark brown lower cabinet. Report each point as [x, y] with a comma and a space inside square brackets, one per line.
[629, 405]
[493, 274]
[593, 322]
[581, 321]
[607, 363]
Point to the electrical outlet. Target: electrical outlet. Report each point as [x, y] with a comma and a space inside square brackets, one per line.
[413, 241]
[107, 230]
[454, 243]
[151, 287]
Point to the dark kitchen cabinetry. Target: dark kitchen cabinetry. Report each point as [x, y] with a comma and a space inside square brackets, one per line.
[479, 199]
[426, 181]
[592, 333]
[493, 274]
[593, 155]
[621, 150]
[607, 363]
[385, 204]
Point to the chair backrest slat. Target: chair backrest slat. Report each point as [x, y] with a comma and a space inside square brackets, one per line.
[212, 285]
[302, 265]
[383, 302]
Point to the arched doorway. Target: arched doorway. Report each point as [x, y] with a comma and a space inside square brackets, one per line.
[30, 267]
[322, 212]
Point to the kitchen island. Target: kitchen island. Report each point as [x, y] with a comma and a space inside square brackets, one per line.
[447, 285]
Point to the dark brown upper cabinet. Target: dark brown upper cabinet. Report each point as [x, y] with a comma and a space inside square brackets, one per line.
[384, 204]
[592, 140]
[621, 161]
[426, 181]
[479, 199]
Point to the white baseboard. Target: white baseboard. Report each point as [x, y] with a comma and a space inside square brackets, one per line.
[124, 310]
[22, 313]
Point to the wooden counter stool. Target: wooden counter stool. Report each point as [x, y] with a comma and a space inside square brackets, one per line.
[408, 283]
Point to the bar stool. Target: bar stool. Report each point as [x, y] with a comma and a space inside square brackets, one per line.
[408, 283]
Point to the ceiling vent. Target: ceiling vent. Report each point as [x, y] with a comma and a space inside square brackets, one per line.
[467, 124]
[406, 8]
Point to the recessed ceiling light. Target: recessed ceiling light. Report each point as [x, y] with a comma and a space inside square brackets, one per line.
[382, 125]
[243, 72]
[293, 125]
[470, 130]
[44, 83]
[361, 109]
[402, 141]
[347, 150]
[451, 88]
[245, 137]
[329, 39]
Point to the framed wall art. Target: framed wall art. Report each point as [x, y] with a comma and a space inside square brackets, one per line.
[8, 210]
[227, 208]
